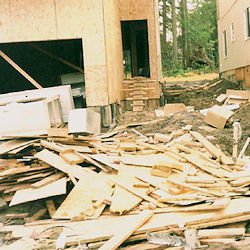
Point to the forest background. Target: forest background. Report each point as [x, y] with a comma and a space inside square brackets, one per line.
[189, 39]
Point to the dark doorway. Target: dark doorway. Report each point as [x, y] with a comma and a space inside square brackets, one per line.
[50, 63]
[135, 48]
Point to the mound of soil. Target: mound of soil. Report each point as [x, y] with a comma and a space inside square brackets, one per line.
[204, 99]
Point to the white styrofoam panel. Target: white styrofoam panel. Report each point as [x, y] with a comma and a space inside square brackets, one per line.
[64, 92]
[84, 121]
[24, 119]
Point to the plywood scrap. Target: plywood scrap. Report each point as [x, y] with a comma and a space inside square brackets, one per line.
[90, 159]
[71, 156]
[151, 160]
[140, 193]
[14, 144]
[123, 200]
[58, 132]
[52, 146]
[105, 228]
[124, 233]
[221, 98]
[241, 181]
[163, 138]
[31, 194]
[106, 160]
[161, 172]
[78, 205]
[192, 187]
[57, 162]
[211, 148]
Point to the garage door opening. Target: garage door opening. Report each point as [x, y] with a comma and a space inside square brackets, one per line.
[50, 63]
[135, 48]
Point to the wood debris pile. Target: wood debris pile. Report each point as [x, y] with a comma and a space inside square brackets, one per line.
[125, 185]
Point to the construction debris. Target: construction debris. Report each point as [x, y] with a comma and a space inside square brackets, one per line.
[188, 182]
[175, 188]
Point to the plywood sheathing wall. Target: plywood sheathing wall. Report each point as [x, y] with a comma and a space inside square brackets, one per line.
[141, 10]
[62, 19]
[114, 55]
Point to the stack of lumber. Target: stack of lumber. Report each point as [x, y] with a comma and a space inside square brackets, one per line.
[185, 89]
[125, 182]
[138, 91]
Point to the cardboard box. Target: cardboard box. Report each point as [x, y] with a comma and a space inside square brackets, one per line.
[218, 116]
[174, 108]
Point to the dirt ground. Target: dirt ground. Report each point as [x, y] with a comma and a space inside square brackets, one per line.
[202, 100]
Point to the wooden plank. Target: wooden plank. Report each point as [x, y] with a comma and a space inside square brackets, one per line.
[241, 181]
[20, 70]
[14, 144]
[16, 216]
[106, 160]
[57, 162]
[37, 215]
[51, 207]
[57, 58]
[192, 187]
[52, 146]
[90, 159]
[47, 180]
[104, 228]
[211, 148]
[221, 233]
[18, 170]
[244, 148]
[31, 194]
[140, 193]
[34, 176]
[124, 233]
[220, 222]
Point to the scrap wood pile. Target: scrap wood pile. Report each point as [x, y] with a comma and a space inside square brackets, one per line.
[125, 187]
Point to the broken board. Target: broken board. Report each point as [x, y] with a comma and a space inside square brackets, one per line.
[31, 194]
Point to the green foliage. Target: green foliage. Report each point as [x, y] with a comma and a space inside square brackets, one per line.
[202, 38]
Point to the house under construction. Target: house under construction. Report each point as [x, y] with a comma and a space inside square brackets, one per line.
[107, 50]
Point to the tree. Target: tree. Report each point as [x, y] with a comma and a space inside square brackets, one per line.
[198, 37]
[184, 27]
[174, 32]
[203, 34]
